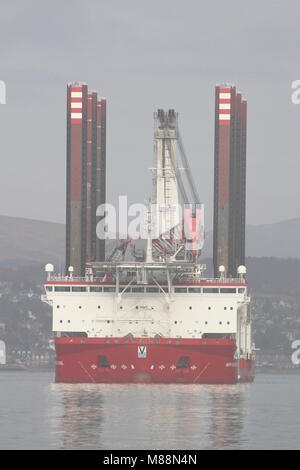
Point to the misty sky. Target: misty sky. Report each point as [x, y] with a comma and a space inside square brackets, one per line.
[142, 55]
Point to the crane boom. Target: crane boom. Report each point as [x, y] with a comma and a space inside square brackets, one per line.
[177, 173]
[195, 195]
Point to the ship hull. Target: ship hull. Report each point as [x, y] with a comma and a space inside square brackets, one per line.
[145, 360]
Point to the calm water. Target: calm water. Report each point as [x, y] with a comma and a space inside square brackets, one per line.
[36, 413]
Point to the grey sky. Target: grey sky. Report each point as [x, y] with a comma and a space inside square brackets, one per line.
[142, 55]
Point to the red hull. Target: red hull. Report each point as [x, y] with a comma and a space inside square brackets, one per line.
[137, 360]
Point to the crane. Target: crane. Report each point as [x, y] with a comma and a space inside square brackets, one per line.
[193, 212]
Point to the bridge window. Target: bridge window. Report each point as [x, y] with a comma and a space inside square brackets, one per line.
[49, 288]
[180, 290]
[195, 290]
[210, 290]
[79, 289]
[62, 288]
[227, 290]
[183, 362]
[241, 290]
[138, 289]
[95, 289]
[152, 289]
[109, 289]
[125, 289]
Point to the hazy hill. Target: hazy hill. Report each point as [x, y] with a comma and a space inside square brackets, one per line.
[31, 240]
[38, 241]
[280, 240]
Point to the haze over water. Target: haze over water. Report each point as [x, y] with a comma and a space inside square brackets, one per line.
[43, 415]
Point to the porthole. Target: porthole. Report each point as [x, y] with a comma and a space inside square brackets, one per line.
[79, 306]
[57, 306]
[190, 307]
[206, 323]
[220, 323]
[108, 321]
[231, 308]
[121, 308]
[69, 321]
[60, 321]
[99, 306]
[209, 308]
[136, 307]
[225, 308]
[175, 322]
[228, 323]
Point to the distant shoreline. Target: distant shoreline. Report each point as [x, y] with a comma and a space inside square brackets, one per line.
[277, 370]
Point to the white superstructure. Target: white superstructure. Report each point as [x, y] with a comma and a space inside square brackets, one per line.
[110, 307]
